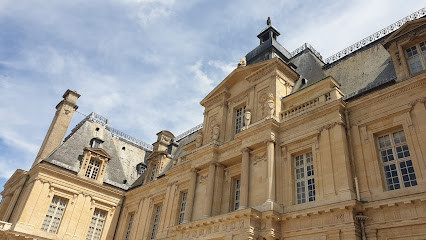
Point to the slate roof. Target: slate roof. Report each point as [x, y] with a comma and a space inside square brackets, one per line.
[69, 154]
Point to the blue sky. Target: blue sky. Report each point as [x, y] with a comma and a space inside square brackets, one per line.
[146, 64]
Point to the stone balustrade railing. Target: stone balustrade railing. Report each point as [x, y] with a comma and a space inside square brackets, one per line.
[299, 109]
[291, 112]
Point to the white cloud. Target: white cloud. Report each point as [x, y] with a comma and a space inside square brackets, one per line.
[225, 67]
[203, 83]
[13, 139]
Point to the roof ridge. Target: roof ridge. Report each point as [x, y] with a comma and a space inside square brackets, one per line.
[375, 36]
[306, 46]
[94, 117]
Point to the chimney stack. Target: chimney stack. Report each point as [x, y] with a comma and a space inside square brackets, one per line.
[58, 128]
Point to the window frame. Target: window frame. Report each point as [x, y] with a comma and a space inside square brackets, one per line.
[130, 221]
[155, 221]
[396, 161]
[420, 47]
[91, 167]
[97, 220]
[96, 143]
[236, 193]
[52, 219]
[239, 123]
[182, 207]
[307, 180]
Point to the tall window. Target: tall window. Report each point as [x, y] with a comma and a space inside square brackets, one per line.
[237, 185]
[239, 119]
[96, 225]
[416, 57]
[54, 215]
[305, 181]
[129, 226]
[93, 169]
[155, 221]
[396, 161]
[154, 169]
[184, 195]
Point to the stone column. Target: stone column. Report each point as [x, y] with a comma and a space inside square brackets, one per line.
[271, 170]
[187, 217]
[245, 170]
[209, 191]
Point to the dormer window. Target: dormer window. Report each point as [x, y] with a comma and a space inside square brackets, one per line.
[93, 169]
[140, 169]
[94, 164]
[416, 57]
[96, 143]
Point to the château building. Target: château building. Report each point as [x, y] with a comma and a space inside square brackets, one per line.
[292, 146]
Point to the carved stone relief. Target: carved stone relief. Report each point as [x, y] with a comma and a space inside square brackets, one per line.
[261, 100]
[258, 158]
[212, 124]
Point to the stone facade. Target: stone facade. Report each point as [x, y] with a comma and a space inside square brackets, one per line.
[340, 156]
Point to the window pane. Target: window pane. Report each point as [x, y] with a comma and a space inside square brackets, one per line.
[129, 226]
[54, 215]
[415, 64]
[399, 170]
[182, 207]
[96, 225]
[155, 222]
[239, 119]
[304, 178]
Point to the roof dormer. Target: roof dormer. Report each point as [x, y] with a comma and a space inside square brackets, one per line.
[407, 47]
[94, 164]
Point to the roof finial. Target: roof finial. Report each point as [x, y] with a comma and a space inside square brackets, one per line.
[268, 21]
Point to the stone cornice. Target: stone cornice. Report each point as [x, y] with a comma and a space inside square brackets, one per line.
[276, 65]
[345, 205]
[221, 96]
[65, 102]
[333, 107]
[65, 177]
[391, 202]
[221, 219]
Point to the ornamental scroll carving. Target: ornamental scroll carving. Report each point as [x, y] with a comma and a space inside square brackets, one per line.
[270, 105]
[199, 139]
[263, 97]
[212, 124]
[258, 158]
[215, 133]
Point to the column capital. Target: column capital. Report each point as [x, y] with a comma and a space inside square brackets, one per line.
[193, 170]
[218, 164]
[245, 150]
[270, 138]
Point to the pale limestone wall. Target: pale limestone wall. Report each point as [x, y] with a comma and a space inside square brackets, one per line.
[322, 131]
[83, 196]
[343, 148]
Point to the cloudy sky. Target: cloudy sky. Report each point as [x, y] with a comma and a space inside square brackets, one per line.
[146, 64]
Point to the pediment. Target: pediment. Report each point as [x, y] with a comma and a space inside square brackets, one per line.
[98, 151]
[239, 74]
[404, 29]
[242, 74]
